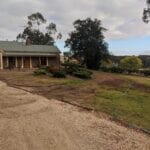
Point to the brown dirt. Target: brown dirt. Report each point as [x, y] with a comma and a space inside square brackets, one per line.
[32, 122]
[118, 82]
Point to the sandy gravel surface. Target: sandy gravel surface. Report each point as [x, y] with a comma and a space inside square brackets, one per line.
[32, 122]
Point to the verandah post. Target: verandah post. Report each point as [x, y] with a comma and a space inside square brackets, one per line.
[1, 60]
[30, 62]
[22, 63]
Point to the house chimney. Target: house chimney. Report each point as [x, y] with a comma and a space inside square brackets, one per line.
[28, 41]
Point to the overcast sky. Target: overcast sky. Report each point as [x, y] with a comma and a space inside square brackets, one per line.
[126, 34]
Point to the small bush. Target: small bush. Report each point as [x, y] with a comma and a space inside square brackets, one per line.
[77, 70]
[82, 74]
[86, 70]
[116, 70]
[59, 74]
[113, 69]
[105, 69]
[70, 68]
[40, 72]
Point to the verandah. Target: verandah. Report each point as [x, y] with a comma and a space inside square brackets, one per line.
[23, 62]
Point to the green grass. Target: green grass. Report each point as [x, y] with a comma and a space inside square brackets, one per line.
[130, 106]
[75, 82]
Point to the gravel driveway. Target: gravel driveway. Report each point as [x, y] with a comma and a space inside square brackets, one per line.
[32, 122]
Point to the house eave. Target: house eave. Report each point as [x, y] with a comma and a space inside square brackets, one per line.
[29, 54]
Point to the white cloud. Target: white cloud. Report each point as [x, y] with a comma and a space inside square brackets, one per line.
[122, 18]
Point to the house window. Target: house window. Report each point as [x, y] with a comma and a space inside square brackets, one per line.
[43, 61]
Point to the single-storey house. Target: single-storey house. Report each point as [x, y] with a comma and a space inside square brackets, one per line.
[23, 55]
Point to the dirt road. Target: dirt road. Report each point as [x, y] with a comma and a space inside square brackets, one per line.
[32, 122]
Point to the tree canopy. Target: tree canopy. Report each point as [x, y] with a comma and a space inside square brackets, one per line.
[87, 43]
[131, 63]
[32, 31]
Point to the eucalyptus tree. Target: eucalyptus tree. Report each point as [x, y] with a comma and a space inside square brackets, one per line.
[146, 12]
[32, 31]
[87, 44]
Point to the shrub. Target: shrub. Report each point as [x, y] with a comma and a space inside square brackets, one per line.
[116, 70]
[77, 70]
[112, 69]
[40, 72]
[105, 69]
[59, 74]
[70, 67]
[49, 69]
[85, 70]
[82, 74]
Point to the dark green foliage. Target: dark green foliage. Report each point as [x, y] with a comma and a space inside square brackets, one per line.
[50, 69]
[33, 33]
[40, 71]
[105, 69]
[112, 69]
[87, 43]
[117, 70]
[59, 74]
[46, 68]
[71, 67]
[82, 74]
[86, 70]
[77, 70]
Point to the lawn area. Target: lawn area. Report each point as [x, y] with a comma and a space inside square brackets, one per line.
[123, 97]
[131, 106]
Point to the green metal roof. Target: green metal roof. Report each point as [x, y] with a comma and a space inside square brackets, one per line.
[30, 54]
[18, 48]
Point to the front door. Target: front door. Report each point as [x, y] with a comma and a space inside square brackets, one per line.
[26, 62]
[11, 62]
